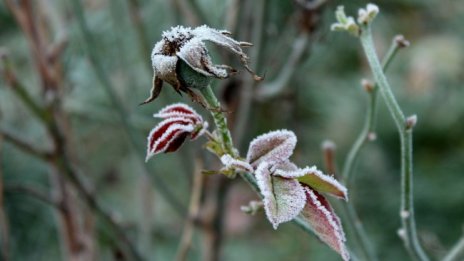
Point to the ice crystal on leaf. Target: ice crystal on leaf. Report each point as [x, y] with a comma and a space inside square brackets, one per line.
[288, 191]
[283, 198]
[180, 121]
[273, 147]
[325, 223]
[187, 45]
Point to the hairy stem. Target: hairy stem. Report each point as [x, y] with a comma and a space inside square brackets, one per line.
[457, 252]
[369, 122]
[407, 207]
[368, 129]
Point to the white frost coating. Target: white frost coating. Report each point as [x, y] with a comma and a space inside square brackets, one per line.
[164, 67]
[326, 180]
[195, 54]
[176, 128]
[325, 224]
[285, 166]
[273, 147]
[209, 34]
[229, 162]
[368, 14]
[283, 198]
[177, 33]
[179, 110]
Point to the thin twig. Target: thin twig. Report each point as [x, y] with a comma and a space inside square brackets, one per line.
[35, 193]
[405, 127]
[24, 145]
[246, 95]
[194, 208]
[363, 242]
[4, 227]
[457, 252]
[272, 89]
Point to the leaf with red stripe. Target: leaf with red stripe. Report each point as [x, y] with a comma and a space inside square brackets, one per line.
[325, 223]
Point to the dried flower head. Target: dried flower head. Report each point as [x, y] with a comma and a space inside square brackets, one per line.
[184, 45]
[180, 121]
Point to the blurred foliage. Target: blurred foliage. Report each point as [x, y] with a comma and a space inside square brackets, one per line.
[323, 100]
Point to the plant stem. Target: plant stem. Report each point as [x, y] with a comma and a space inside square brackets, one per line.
[219, 120]
[369, 128]
[407, 207]
[221, 125]
[369, 122]
[456, 252]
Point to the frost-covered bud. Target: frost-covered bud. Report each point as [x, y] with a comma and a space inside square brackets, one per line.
[180, 121]
[400, 41]
[367, 85]
[367, 15]
[182, 54]
[345, 23]
[411, 121]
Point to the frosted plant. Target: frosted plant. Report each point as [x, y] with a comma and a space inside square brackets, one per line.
[289, 191]
[186, 45]
[179, 122]
[182, 60]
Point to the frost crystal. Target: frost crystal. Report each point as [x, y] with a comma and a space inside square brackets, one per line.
[229, 162]
[325, 223]
[179, 122]
[273, 147]
[283, 198]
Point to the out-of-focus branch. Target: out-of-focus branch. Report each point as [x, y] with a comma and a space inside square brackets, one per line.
[231, 16]
[191, 11]
[136, 18]
[24, 145]
[61, 159]
[35, 193]
[246, 95]
[4, 228]
[272, 89]
[457, 252]
[194, 208]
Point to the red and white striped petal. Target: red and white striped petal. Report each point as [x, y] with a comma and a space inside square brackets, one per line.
[179, 110]
[273, 147]
[325, 223]
[199, 130]
[168, 136]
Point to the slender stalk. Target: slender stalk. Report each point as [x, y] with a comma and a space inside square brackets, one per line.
[4, 226]
[457, 252]
[352, 218]
[405, 131]
[219, 119]
[369, 122]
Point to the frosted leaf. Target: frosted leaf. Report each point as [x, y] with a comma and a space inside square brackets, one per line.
[273, 147]
[285, 166]
[317, 180]
[164, 67]
[168, 136]
[283, 198]
[218, 37]
[320, 215]
[367, 15]
[195, 54]
[179, 110]
[230, 162]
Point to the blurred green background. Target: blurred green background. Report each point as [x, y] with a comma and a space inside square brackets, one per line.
[102, 80]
